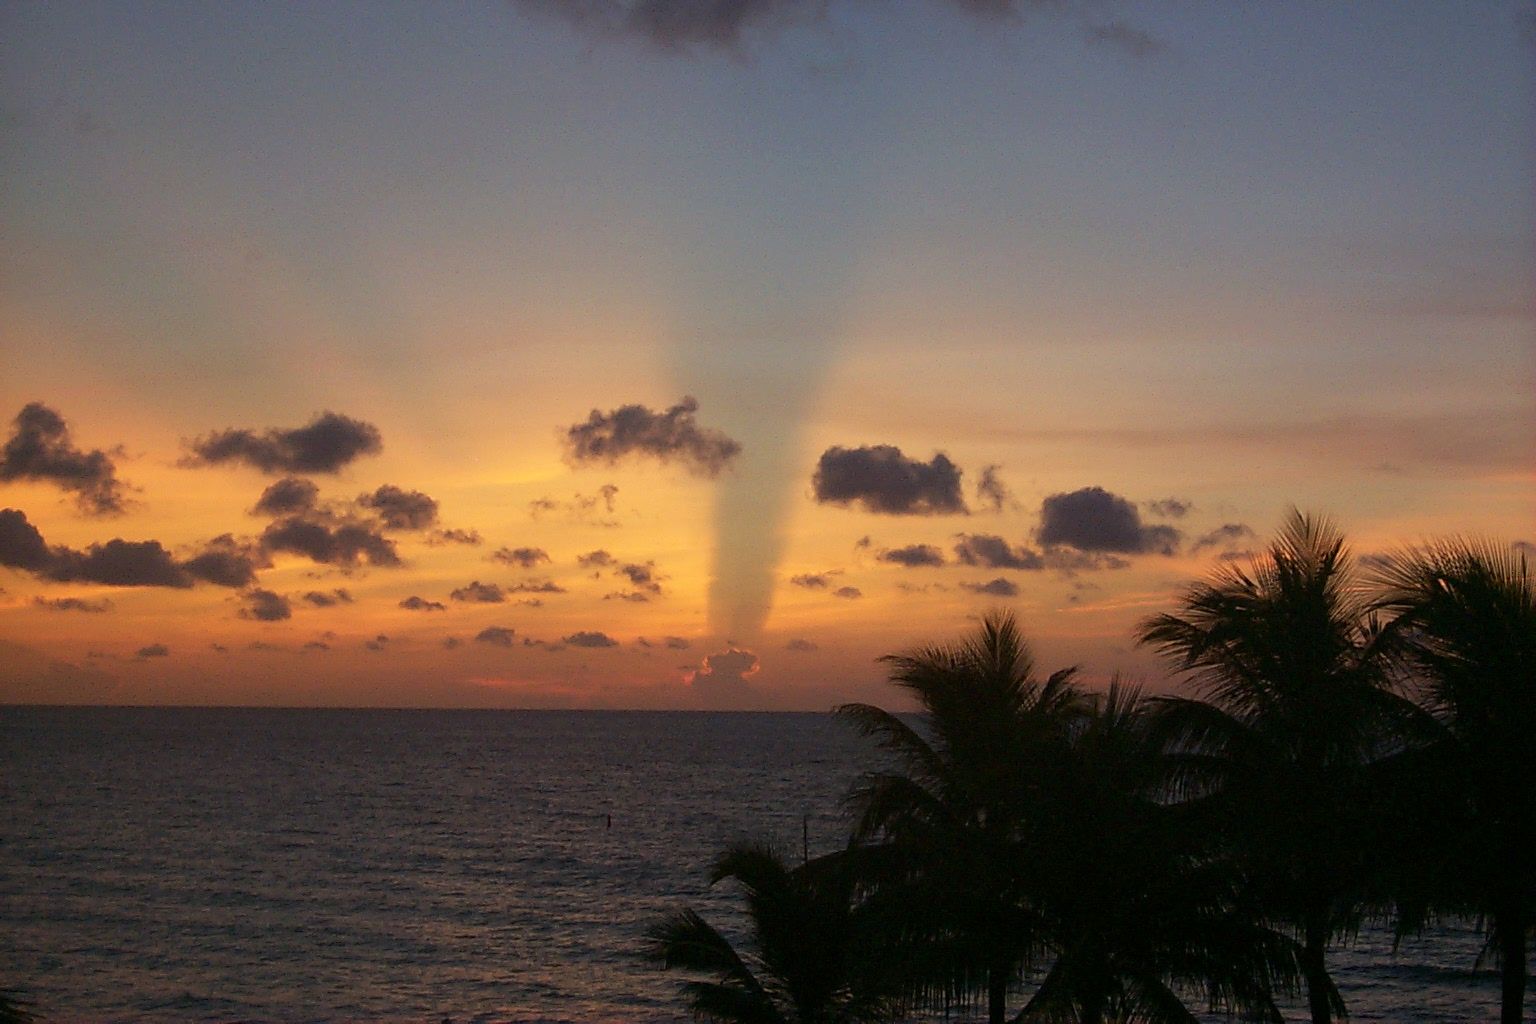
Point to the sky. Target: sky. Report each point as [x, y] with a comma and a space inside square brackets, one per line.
[697, 353]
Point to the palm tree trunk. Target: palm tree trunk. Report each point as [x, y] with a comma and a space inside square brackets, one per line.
[1512, 951]
[997, 994]
[1315, 970]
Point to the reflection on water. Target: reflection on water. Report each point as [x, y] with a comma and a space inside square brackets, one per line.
[276, 865]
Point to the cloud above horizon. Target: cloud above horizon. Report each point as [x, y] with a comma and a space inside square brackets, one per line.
[1094, 520]
[118, 562]
[400, 509]
[40, 448]
[880, 479]
[327, 444]
[673, 436]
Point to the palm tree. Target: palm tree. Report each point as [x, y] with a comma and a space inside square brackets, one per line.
[806, 967]
[936, 840]
[1466, 612]
[1295, 703]
[1138, 903]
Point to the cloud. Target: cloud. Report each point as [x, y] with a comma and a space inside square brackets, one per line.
[226, 562]
[40, 448]
[525, 557]
[118, 562]
[682, 27]
[1094, 520]
[265, 606]
[501, 636]
[815, 580]
[421, 604]
[480, 593]
[453, 536]
[641, 577]
[997, 588]
[726, 671]
[73, 604]
[325, 445]
[536, 587]
[582, 508]
[589, 638]
[882, 480]
[400, 509]
[671, 436]
[21, 545]
[594, 559]
[671, 643]
[154, 651]
[450, 642]
[1223, 536]
[801, 645]
[1128, 39]
[850, 593]
[1169, 508]
[322, 599]
[913, 556]
[993, 552]
[991, 492]
[344, 543]
[378, 643]
[317, 645]
[287, 496]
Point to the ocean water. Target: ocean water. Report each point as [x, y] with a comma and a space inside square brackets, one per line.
[316, 865]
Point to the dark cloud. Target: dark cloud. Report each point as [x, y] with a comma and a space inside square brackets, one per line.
[450, 642]
[324, 599]
[72, 604]
[671, 643]
[1094, 520]
[501, 636]
[589, 638]
[801, 645]
[632, 596]
[325, 445]
[851, 593]
[21, 545]
[226, 562]
[421, 604]
[378, 643]
[536, 587]
[680, 27]
[454, 536]
[40, 448]
[265, 606]
[595, 559]
[330, 543]
[993, 552]
[400, 509]
[671, 436]
[913, 556]
[154, 651]
[997, 588]
[640, 576]
[815, 580]
[288, 496]
[1223, 536]
[582, 508]
[1128, 39]
[1169, 508]
[525, 557]
[317, 645]
[725, 675]
[119, 563]
[882, 480]
[480, 593]
[991, 492]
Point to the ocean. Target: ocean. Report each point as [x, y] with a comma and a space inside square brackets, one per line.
[476, 866]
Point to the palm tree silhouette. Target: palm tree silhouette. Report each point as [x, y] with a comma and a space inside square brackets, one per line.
[1295, 704]
[937, 837]
[1466, 614]
[1138, 901]
[806, 966]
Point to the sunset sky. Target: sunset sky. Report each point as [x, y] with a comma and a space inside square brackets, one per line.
[637, 353]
